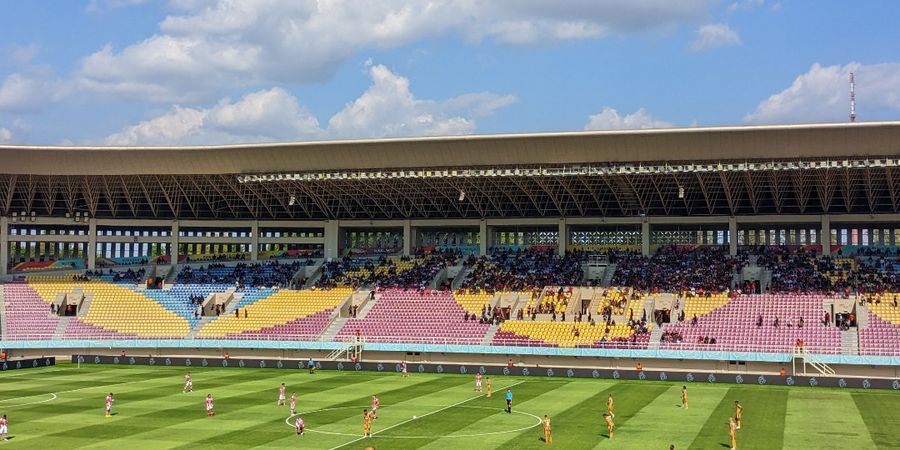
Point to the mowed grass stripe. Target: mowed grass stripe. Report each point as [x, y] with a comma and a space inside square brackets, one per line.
[574, 405]
[459, 418]
[879, 411]
[663, 421]
[763, 420]
[394, 414]
[268, 418]
[824, 419]
[255, 435]
[133, 416]
[554, 397]
[20, 388]
[582, 427]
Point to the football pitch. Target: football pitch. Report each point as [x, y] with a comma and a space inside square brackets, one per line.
[62, 407]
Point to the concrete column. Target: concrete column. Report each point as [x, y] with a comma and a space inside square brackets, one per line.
[92, 244]
[645, 238]
[825, 235]
[176, 228]
[254, 240]
[407, 238]
[332, 231]
[732, 236]
[563, 237]
[4, 244]
[484, 242]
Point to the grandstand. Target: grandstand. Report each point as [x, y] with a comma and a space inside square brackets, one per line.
[672, 247]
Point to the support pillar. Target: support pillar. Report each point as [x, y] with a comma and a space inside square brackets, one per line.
[563, 239]
[483, 241]
[732, 236]
[332, 231]
[254, 240]
[174, 250]
[645, 238]
[4, 245]
[825, 235]
[407, 238]
[92, 244]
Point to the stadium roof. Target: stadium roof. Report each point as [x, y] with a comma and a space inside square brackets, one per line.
[801, 169]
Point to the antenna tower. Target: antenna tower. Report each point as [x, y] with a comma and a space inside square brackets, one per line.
[852, 98]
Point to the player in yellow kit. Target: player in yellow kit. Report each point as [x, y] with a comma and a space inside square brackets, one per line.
[738, 412]
[548, 438]
[684, 397]
[732, 432]
[610, 425]
[367, 423]
[610, 404]
[487, 385]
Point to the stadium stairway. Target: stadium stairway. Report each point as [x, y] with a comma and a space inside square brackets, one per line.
[608, 275]
[333, 328]
[460, 278]
[61, 326]
[200, 324]
[655, 337]
[850, 342]
[489, 337]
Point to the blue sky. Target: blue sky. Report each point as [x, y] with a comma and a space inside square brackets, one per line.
[180, 72]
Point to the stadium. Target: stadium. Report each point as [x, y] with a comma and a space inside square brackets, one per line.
[756, 263]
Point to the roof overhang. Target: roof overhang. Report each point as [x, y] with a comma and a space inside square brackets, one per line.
[745, 143]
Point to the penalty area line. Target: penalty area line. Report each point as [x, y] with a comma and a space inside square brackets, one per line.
[419, 417]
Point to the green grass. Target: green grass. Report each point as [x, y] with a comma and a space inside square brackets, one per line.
[152, 412]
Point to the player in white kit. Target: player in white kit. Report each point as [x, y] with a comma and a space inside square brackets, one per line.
[188, 383]
[109, 402]
[478, 382]
[403, 370]
[293, 402]
[210, 408]
[280, 395]
[4, 428]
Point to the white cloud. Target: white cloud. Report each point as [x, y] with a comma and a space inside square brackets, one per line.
[610, 119]
[20, 92]
[822, 94]
[103, 5]
[5, 135]
[239, 42]
[386, 108]
[744, 5]
[23, 54]
[715, 35]
[389, 108]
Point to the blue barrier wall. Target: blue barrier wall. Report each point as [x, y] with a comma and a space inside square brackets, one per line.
[432, 348]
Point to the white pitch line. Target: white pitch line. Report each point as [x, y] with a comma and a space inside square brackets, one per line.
[420, 417]
[53, 397]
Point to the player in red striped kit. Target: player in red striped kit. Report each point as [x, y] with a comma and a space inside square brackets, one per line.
[109, 402]
[210, 408]
[299, 425]
[280, 395]
[375, 404]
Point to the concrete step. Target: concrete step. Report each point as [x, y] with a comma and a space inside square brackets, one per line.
[850, 342]
[203, 321]
[333, 329]
[61, 327]
[489, 337]
[608, 275]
